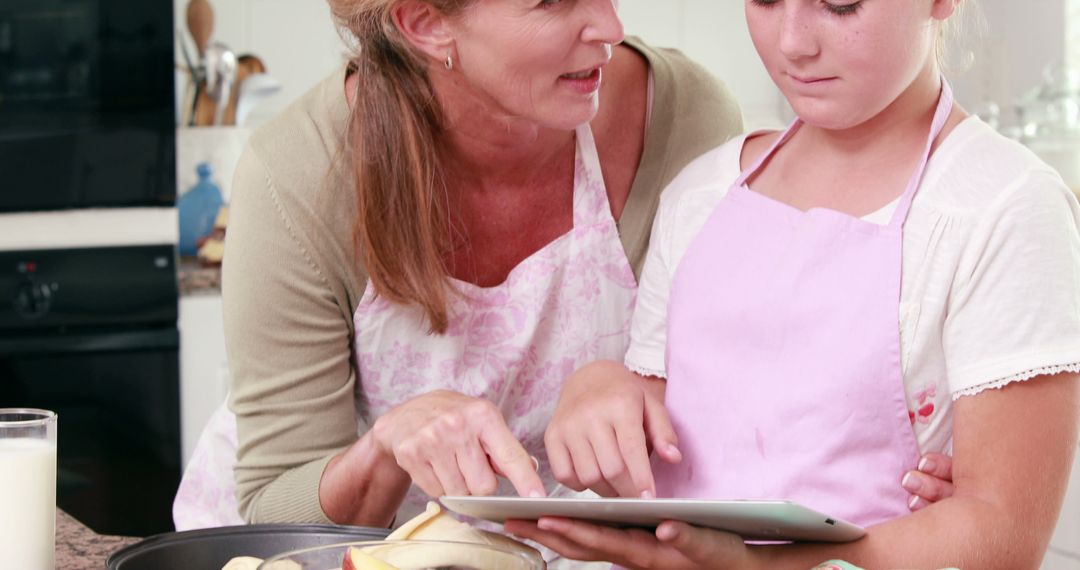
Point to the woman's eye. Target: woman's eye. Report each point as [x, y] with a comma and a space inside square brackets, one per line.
[548, 3]
[765, 3]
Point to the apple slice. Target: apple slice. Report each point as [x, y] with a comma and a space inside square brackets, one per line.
[356, 559]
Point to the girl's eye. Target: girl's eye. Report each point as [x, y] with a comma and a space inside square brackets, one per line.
[843, 9]
[549, 3]
[836, 9]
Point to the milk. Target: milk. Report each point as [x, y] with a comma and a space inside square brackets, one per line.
[27, 503]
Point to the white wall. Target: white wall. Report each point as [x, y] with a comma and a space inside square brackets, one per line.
[298, 43]
[713, 32]
[1016, 42]
[294, 38]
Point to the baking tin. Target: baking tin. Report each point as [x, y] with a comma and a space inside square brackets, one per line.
[210, 549]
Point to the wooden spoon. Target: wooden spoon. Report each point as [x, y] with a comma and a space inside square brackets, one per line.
[200, 21]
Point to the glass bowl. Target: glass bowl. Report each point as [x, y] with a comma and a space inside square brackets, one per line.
[410, 555]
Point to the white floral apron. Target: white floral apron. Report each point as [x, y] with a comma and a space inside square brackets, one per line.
[566, 305]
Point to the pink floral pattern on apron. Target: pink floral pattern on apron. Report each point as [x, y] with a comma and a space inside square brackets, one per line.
[514, 344]
[566, 305]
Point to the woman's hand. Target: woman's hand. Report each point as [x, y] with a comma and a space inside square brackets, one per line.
[674, 546]
[931, 482]
[452, 444]
[606, 421]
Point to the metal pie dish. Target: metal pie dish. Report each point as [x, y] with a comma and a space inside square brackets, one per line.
[211, 549]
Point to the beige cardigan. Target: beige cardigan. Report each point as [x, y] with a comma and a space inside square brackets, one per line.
[291, 281]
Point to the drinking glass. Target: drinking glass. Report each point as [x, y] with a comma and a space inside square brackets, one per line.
[27, 488]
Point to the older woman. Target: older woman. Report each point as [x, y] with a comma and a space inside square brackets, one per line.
[424, 246]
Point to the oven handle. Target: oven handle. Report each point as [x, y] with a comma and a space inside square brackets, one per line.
[157, 339]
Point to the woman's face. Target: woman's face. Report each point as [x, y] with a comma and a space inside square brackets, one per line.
[840, 63]
[540, 60]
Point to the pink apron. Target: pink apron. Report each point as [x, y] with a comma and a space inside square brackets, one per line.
[783, 358]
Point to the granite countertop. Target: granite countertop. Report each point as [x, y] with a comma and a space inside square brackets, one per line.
[195, 279]
[79, 548]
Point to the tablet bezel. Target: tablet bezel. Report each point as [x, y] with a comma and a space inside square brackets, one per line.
[750, 519]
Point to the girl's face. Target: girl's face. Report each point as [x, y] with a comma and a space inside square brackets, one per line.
[540, 60]
[840, 63]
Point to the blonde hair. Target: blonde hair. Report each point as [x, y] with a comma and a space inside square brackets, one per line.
[402, 228]
[958, 38]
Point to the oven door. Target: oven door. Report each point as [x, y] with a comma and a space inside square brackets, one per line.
[118, 399]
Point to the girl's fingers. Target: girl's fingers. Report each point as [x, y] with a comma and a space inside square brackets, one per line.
[709, 548]
[937, 465]
[612, 466]
[661, 434]
[635, 453]
[584, 461]
[596, 483]
[562, 466]
[553, 540]
[633, 548]
[928, 488]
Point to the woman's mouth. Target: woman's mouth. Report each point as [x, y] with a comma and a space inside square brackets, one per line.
[583, 82]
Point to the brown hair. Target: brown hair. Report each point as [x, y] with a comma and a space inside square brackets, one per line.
[402, 226]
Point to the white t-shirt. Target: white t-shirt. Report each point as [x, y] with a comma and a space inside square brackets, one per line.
[991, 275]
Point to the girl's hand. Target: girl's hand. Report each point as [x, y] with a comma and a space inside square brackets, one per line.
[452, 444]
[674, 546]
[599, 438]
[931, 483]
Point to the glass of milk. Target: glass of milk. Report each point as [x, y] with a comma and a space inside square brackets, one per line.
[27, 488]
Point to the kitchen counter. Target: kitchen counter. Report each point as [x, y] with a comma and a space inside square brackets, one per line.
[198, 280]
[79, 548]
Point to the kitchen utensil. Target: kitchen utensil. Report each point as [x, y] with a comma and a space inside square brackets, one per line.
[246, 66]
[253, 91]
[220, 73]
[226, 82]
[210, 549]
[411, 555]
[200, 22]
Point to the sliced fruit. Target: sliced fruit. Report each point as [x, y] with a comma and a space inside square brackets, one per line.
[356, 559]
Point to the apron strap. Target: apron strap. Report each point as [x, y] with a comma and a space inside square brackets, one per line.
[941, 116]
[588, 157]
[753, 169]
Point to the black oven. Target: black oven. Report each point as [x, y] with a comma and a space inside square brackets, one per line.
[87, 114]
[92, 334]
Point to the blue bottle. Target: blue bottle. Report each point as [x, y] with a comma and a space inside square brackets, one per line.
[198, 210]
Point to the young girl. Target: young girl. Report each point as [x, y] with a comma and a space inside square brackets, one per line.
[780, 267]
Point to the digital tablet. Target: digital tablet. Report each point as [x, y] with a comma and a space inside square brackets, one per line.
[752, 520]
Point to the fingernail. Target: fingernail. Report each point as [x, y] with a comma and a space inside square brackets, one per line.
[913, 502]
[647, 495]
[666, 533]
[549, 524]
[536, 462]
[536, 495]
[910, 482]
[674, 452]
[926, 465]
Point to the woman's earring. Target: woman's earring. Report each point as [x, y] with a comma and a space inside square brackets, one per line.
[449, 62]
